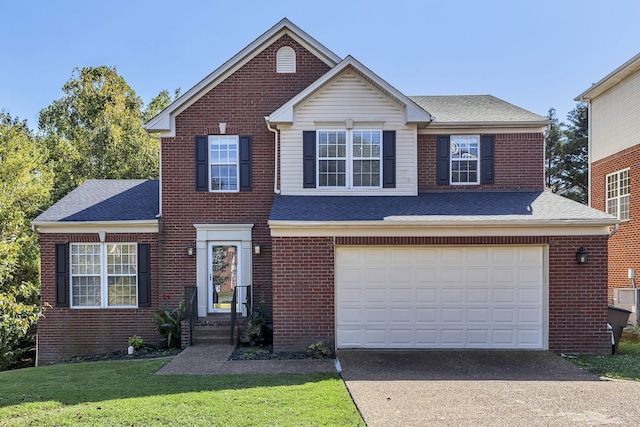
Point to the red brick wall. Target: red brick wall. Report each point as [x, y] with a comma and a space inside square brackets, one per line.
[304, 288]
[241, 101]
[518, 164]
[66, 332]
[303, 292]
[624, 246]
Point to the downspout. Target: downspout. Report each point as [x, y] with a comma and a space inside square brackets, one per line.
[614, 231]
[275, 145]
[589, 157]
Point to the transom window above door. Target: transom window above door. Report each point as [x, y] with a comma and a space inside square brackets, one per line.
[349, 158]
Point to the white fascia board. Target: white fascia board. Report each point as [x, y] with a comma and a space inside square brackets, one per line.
[414, 113]
[438, 229]
[475, 129]
[610, 80]
[539, 125]
[164, 122]
[96, 226]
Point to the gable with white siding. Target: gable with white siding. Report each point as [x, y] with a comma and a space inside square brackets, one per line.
[348, 97]
[614, 123]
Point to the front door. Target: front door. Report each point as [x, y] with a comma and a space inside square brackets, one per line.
[224, 276]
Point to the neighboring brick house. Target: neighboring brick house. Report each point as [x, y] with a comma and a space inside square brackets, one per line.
[358, 215]
[614, 161]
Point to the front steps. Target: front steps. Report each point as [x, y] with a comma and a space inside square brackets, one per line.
[213, 329]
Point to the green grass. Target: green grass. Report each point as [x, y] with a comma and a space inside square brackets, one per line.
[128, 393]
[625, 364]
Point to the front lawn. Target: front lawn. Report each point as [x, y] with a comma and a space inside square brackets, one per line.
[623, 365]
[128, 393]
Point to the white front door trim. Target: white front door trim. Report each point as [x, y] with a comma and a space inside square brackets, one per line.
[206, 233]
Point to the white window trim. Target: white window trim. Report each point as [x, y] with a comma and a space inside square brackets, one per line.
[237, 163]
[104, 282]
[617, 198]
[349, 159]
[451, 160]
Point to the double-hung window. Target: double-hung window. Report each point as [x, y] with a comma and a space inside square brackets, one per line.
[104, 275]
[349, 158]
[465, 159]
[223, 159]
[618, 194]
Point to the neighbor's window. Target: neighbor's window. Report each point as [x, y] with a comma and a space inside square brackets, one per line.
[618, 194]
[349, 159]
[465, 159]
[223, 158]
[104, 275]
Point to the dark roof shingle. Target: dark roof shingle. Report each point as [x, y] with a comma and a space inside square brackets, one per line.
[106, 200]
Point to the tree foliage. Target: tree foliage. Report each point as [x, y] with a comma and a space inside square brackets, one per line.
[567, 161]
[95, 131]
[25, 186]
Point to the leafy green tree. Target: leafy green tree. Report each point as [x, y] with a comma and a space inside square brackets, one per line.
[95, 131]
[25, 183]
[159, 103]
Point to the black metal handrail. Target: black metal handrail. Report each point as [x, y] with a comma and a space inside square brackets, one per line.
[234, 300]
[191, 301]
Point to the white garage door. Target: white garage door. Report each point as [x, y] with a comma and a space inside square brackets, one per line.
[440, 297]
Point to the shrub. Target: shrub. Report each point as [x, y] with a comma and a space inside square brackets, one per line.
[257, 332]
[319, 350]
[168, 325]
[136, 342]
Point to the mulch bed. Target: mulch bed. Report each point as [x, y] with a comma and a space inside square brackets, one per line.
[264, 353]
[146, 353]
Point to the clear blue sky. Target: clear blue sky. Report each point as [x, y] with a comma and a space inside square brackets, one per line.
[533, 53]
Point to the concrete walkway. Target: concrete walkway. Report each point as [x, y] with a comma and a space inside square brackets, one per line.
[214, 359]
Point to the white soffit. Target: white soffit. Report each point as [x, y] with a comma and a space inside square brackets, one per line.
[610, 80]
[164, 122]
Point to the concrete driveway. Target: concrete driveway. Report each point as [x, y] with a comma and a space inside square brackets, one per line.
[483, 388]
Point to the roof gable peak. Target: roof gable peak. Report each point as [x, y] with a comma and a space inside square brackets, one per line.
[164, 122]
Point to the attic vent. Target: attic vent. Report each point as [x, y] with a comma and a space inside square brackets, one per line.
[286, 60]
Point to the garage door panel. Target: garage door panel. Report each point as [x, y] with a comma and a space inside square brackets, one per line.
[440, 297]
[402, 296]
[401, 315]
[375, 315]
[347, 316]
[452, 296]
[426, 315]
[504, 296]
[375, 296]
[426, 296]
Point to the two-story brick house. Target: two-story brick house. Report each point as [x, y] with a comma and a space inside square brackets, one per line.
[358, 215]
[614, 158]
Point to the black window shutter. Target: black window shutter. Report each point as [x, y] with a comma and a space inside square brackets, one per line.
[245, 163]
[62, 275]
[144, 275]
[202, 172]
[309, 158]
[487, 143]
[389, 159]
[443, 161]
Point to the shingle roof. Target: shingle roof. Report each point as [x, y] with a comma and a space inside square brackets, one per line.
[106, 200]
[474, 108]
[445, 206]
